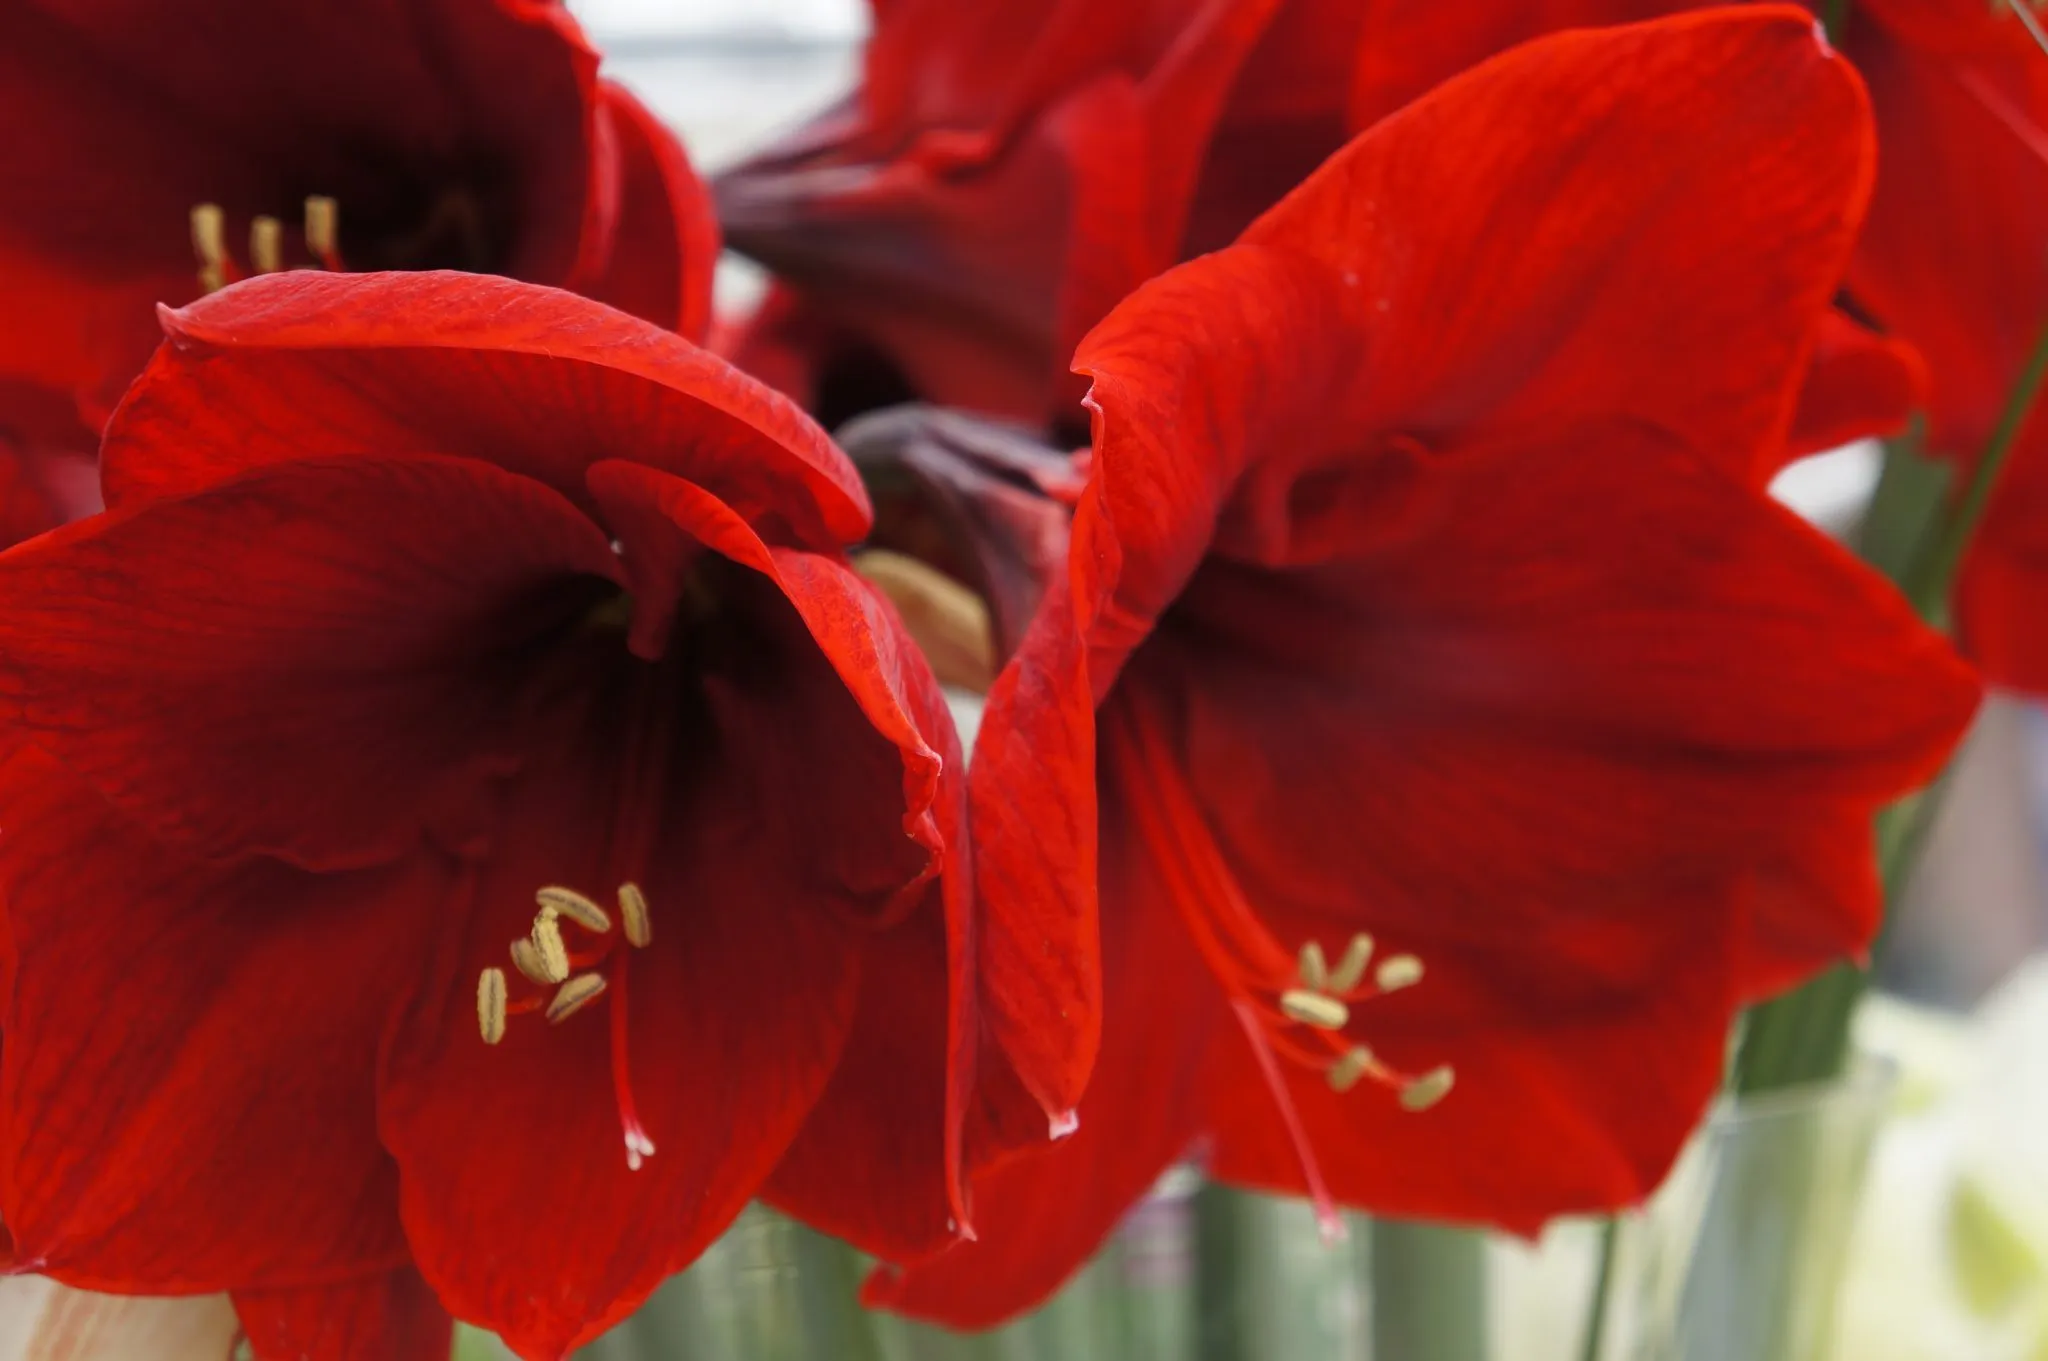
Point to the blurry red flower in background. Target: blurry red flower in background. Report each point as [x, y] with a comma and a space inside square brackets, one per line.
[401, 134]
[1468, 713]
[463, 761]
[953, 231]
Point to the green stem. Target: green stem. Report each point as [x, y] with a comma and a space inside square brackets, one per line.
[1428, 1292]
[1603, 1286]
[1225, 1256]
[1926, 580]
[829, 1274]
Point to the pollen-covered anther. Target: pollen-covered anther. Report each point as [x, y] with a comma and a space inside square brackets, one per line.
[1397, 972]
[1354, 1064]
[1313, 967]
[1350, 970]
[574, 995]
[266, 245]
[1314, 1009]
[526, 959]
[210, 246]
[1420, 1093]
[633, 916]
[577, 908]
[549, 951]
[323, 235]
[490, 1005]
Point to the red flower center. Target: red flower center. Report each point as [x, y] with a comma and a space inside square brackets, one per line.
[451, 229]
[1292, 1005]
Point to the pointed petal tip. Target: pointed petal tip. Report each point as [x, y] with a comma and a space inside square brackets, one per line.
[1063, 1123]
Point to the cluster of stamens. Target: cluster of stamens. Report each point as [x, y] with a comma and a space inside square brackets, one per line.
[1322, 1002]
[218, 267]
[544, 957]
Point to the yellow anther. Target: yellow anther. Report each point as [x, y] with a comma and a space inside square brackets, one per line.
[1351, 968]
[1421, 1093]
[577, 908]
[1343, 1075]
[1314, 969]
[490, 1005]
[266, 245]
[323, 220]
[573, 996]
[526, 959]
[549, 951]
[210, 246]
[1314, 1009]
[1397, 972]
[633, 915]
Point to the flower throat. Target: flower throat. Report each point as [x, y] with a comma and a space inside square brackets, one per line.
[1293, 1006]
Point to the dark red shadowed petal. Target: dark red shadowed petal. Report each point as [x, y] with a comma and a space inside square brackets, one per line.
[664, 243]
[139, 114]
[982, 502]
[190, 1053]
[535, 380]
[1999, 599]
[1410, 46]
[302, 661]
[972, 221]
[391, 1317]
[1041, 1215]
[879, 1162]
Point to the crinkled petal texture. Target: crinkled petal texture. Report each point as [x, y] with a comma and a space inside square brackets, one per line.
[355, 680]
[975, 211]
[468, 134]
[1553, 743]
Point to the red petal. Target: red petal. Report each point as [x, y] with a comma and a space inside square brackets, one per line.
[1585, 1052]
[190, 1055]
[393, 1317]
[1681, 292]
[1414, 45]
[665, 241]
[542, 382]
[303, 661]
[1041, 1215]
[1859, 385]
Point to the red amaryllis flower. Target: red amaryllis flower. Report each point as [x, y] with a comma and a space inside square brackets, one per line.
[1457, 703]
[463, 763]
[958, 226]
[151, 150]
